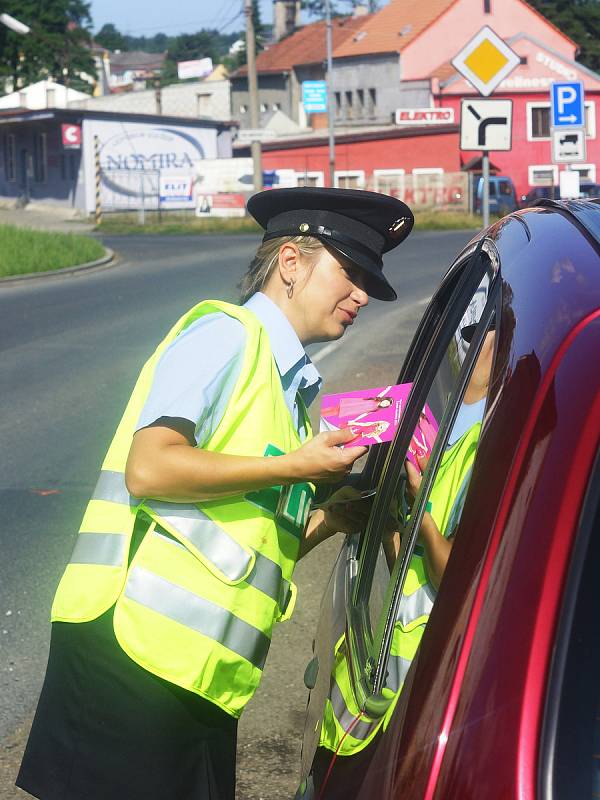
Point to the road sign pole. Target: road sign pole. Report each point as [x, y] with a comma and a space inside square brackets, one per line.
[330, 109]
[486, 188]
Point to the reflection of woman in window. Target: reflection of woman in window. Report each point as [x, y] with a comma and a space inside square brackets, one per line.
[350, 407]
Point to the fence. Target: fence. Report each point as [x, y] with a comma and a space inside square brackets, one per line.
[443, 191]
[130, 190]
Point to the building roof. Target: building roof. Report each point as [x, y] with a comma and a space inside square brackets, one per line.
[77, 115]
[306, 45]
[392, 28]
[136, 59]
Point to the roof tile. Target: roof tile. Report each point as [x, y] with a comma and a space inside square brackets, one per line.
[393, 28]
[307, 45]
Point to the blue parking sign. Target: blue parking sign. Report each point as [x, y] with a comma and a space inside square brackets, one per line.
[566, 102]
[314, 96]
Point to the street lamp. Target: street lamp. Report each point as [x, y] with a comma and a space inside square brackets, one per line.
[14, 24]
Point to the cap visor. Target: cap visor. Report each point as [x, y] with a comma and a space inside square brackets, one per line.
[375, 283]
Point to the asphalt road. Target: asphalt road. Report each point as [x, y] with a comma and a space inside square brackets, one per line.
[70, 350]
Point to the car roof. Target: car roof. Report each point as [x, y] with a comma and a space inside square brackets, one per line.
[586, 212]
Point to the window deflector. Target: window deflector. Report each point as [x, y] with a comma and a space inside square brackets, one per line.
[383, 638]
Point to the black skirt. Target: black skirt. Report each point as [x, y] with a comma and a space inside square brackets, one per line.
[107, 728]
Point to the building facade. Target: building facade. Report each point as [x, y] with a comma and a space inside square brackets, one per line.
[50, 156]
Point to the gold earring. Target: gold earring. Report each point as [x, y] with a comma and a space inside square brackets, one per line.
[290, 289]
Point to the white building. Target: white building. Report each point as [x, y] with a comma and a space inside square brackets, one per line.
[44, 94]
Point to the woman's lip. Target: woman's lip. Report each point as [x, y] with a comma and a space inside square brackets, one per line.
[349, 315]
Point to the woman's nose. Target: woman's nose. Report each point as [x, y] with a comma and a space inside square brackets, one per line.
[360, 296]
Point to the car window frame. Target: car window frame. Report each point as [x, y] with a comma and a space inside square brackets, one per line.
[366, 671]
[590, 510]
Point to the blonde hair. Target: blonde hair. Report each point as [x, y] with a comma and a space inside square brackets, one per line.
[263, 264]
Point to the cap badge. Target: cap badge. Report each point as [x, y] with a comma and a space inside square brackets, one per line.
[396, 227]
[304, 226]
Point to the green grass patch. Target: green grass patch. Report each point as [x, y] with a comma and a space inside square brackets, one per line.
[175, 226]
[23, 250]
[190, 225]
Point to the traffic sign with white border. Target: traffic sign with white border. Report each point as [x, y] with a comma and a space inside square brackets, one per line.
[485, 124]
[485, 61]
[567, 104]
[568, 145]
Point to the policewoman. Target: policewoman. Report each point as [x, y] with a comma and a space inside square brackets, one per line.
[162, 620]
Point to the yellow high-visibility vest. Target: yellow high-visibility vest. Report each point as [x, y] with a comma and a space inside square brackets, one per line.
[198, 601]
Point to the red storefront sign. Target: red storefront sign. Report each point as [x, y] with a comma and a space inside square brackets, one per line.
[424, 116]
[71, 137]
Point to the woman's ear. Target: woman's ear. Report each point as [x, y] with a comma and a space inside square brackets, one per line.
[289, 262]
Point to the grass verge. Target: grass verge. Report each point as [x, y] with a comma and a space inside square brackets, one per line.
[23, 250]
[128, 224]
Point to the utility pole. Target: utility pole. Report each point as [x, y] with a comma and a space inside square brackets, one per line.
[330, 109]
[253, 92]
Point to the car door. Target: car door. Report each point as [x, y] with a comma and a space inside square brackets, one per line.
[371, 620]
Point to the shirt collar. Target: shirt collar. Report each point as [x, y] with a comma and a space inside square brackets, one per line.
[289, 354]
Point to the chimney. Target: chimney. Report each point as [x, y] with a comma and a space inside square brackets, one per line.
[286, 18]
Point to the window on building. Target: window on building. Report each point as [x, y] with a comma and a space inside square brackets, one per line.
[543, 175]
[310, 179]
[276, 106]
[538, 120]
[372, 102]
[587, 172]
[337, 96]
[487, 6]
[243, 109]
[40, 158]
[264, 108]
[360, 102]
[350, 179]
[203, 104]
[10, 158]
[389, 181]
[349, 105]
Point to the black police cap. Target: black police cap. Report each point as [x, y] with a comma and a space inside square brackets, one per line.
[357, 224]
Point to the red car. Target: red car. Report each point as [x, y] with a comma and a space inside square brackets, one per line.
[468, 665]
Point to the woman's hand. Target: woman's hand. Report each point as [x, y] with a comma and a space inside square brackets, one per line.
[321, 460]
[345, 512]
[414, 475]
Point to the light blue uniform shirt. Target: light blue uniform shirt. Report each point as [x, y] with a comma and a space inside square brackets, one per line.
[196, 375]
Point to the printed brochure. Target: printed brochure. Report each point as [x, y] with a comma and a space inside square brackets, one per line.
[373, 415]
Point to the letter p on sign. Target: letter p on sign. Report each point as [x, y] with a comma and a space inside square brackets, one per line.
[565, 95]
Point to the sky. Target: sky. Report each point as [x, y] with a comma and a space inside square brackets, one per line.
[143, 18]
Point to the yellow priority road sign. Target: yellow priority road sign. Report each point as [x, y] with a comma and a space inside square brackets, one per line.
[485, 61]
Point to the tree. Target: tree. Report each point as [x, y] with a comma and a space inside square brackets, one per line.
[237, 60]
[57, 47]
[108, 36]
[580, 21]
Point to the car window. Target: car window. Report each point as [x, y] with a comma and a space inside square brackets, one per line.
[450, 392]
[505, 188]
[492, 189]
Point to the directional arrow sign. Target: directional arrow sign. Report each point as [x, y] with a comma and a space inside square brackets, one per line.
[485, 61]
[485, 125]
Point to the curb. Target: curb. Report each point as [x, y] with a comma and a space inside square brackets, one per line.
[106, 261]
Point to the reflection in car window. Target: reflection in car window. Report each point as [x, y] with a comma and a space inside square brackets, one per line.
[392, 620]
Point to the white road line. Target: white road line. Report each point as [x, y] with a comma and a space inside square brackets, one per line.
[333, 346]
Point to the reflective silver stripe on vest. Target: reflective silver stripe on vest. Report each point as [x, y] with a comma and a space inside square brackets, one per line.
[266, 577]
[206, 536]
[104, 549]
[198, 614]
[397, 670]
[111, 487]
[361, 729]
[418, 604]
